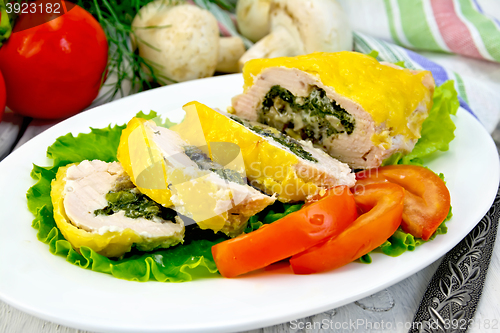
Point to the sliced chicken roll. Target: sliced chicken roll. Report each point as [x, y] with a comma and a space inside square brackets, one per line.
[348, 104]
[274, 162]
[97, 206]
[180, 175]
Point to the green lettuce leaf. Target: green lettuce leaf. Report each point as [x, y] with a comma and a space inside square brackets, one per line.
[181, 263]
[99, 144]
[373, 54]
[152, 115]
[272, 213]
[438, 129]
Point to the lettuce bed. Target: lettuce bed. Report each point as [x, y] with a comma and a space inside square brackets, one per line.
[193, 259]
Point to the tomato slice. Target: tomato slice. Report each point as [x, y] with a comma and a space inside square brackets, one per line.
[383, 207]
[427, 199]
[292, 234]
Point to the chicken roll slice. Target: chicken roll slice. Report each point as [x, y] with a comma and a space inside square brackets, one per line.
[180, 175]
[348, 104]
[97, 206]
[274, 162]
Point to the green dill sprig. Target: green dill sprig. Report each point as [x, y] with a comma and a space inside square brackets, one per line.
[124, 60]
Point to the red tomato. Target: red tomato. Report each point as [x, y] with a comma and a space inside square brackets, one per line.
[2, 96]
[427, 199]
[54, 69]
[292, 234]
[383, 207]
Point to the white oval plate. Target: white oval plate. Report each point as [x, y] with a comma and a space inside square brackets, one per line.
[44, 285]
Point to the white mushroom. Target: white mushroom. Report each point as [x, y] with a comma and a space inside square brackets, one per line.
[253, 18]
[302, 27]
[230, 51]
[179, 41]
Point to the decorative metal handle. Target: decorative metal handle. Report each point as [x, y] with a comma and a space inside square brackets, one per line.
[451, 298]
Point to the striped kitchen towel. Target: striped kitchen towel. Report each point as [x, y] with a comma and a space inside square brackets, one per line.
[467, 27]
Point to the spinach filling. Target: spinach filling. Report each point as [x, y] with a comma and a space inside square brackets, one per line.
[135, 205]
[205, 163]
[292, 144]
[286, 141]
[314, 117]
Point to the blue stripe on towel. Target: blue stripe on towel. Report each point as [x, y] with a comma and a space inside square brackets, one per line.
[438, 72]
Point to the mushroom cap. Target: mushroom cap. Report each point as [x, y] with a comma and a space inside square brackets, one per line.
[300, 27]
[253, 18]
[321, 24]
[183, 47]
[230, 51]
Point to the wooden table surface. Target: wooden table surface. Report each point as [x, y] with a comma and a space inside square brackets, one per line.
[396, 304]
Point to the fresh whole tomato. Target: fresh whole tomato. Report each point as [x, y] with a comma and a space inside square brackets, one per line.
[2, 96]
[294, 233]
[54, 69]
[427, 199]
